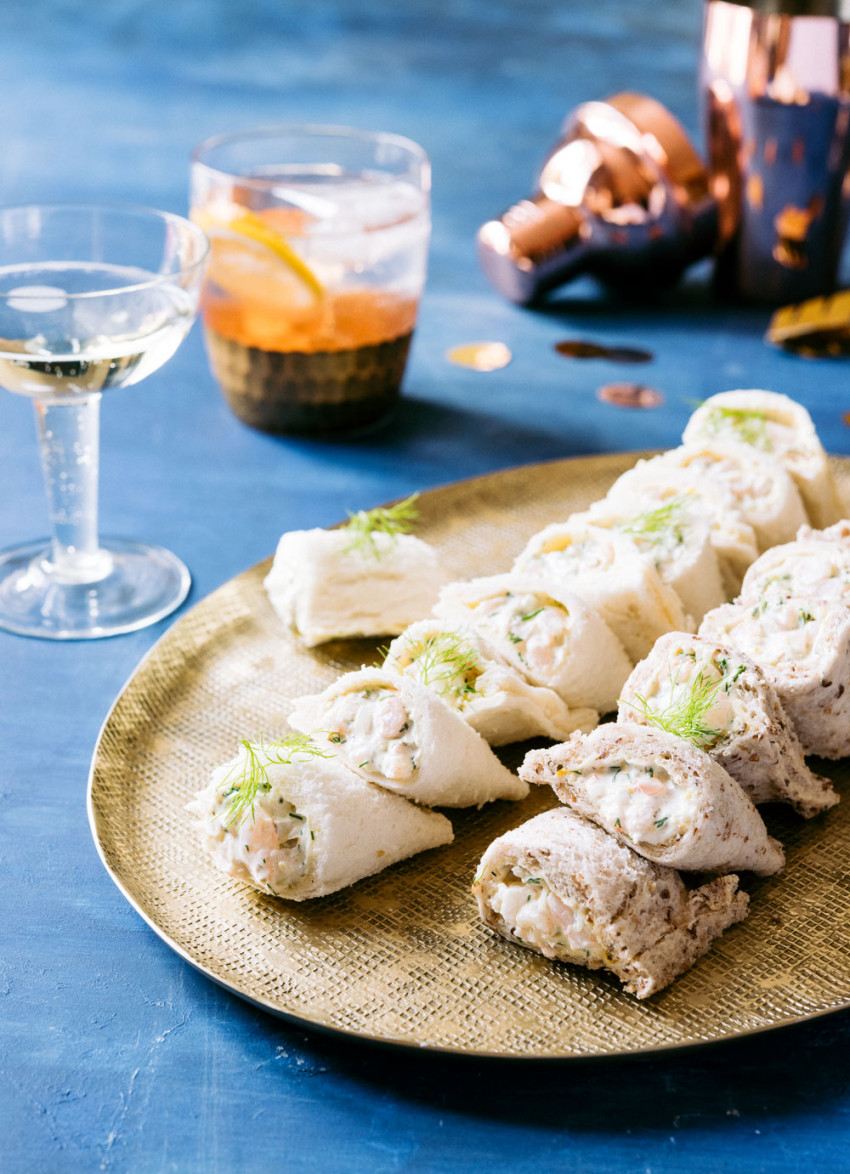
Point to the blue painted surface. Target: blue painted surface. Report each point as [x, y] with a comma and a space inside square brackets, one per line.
[115, 1055]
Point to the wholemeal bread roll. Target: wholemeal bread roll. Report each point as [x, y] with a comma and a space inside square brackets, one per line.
[327, 587]
[753, 483]
[802, 647]
[466, 671]
[608, 571]
[400, 735]
[811, 568]
[777, 425]
[649, 485]
[547, 634]
[564, 888]
[659, 795]
[291, 819]
[718, 699]
[677, 540]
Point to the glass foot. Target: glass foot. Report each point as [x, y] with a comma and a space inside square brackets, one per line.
[136, 585]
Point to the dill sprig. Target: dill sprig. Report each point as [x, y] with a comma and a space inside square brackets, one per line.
[748, 425]
[393, 520]
[654, 525]
[685, 715]
[249, 778]
[446, 663]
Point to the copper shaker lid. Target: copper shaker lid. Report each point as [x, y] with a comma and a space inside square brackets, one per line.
[622, 192]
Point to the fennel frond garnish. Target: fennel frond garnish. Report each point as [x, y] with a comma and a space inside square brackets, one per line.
[748, 425]
[249, 777]
[446, 663]
[393, 520]
[685, 715]
[654, 525]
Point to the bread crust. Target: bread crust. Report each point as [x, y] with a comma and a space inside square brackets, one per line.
[650, 926]
[724, 832]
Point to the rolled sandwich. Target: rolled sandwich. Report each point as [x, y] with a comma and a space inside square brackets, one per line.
[548, 635]
[777, 425]
[400, 735]
[811, 568]
[560, 886]
[802, 647]
[611, 574]
[462, 668]
[291, 819]
[677, 540]
[751, 482]
[648, 486]
[719, 700]
[335, 584]
[660, 795]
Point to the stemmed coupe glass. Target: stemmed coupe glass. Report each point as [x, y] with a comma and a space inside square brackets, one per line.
[91, 298]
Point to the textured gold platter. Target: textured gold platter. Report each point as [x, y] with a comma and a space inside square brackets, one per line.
[402, 957]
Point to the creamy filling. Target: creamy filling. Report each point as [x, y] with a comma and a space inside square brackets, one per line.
[695, 697]
[820, 575]
[375, 732]
[642, 801]
[750, 486]
[777, 633]
[531, 627]
[269, 848]
[539, 918]
[566, 555]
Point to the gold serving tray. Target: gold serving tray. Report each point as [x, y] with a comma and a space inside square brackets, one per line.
[402, 957]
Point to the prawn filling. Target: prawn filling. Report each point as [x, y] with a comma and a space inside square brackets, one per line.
[539, 918]
[776, 630]
[823, 575]
[640, 800]
[377, 732]
[270, 846]
[760, 428]
[536, 627]
[564, 554]
[749, 483]
[695, 698]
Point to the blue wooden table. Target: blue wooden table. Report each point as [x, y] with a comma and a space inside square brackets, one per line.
[114, 1054]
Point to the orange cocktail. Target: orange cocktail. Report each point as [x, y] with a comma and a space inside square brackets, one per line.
[315, 274]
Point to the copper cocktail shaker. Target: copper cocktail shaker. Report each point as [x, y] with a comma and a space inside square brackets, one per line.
[776, 85]
[622, 195]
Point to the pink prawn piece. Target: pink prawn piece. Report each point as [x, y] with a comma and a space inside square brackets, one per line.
[651, 787]
[391, 717]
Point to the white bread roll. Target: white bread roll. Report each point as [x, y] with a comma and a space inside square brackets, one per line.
[548, 635]
[802, 647]
[753, 483]
[466, 671]
[777, 425]
[609, 572]
[677, 540]
[734, 540]
[562, 887]
[326, 589]
[292, 820]
[659, 795]
[400, 735]
[718, 699]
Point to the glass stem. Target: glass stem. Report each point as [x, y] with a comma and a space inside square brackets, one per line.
[69, 438]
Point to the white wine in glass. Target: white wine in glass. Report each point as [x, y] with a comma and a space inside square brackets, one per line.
[91, 298]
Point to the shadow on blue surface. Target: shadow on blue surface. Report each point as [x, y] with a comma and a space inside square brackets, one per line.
[790, 1072]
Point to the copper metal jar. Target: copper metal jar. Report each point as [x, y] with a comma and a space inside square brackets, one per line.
[775, 78]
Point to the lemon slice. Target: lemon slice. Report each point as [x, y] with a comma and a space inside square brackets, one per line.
[232, 230]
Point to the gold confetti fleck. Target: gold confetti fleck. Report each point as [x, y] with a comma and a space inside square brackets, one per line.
[630, 395]
[480, 356]
[846, 418]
